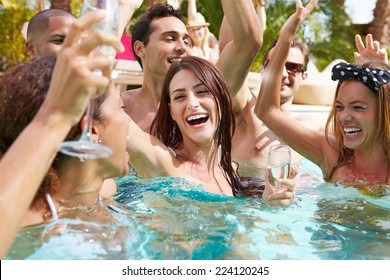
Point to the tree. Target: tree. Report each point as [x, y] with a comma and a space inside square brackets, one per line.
[338, 42]
[328, 31]
[380, 26]
[12, 42]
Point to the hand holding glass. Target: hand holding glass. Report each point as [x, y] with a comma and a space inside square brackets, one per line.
[85, 148]
[279, 162]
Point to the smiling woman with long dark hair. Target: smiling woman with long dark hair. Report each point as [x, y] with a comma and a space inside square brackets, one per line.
[193, 129]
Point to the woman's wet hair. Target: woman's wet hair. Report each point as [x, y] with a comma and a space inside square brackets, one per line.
[23, 89]
[164, 127]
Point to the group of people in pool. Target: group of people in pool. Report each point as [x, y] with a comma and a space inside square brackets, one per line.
[181, 121]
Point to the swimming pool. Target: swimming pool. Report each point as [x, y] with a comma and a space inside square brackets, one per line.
[167, 218]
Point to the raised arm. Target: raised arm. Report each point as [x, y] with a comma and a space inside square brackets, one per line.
[238, 55]
[149, 156]
[371, 52]
[305, 141]
[191, 9]
[126, 11]
[260, 10]
[242, 96]
[26, 162]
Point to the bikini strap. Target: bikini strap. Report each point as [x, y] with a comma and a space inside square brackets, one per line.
[54, 214]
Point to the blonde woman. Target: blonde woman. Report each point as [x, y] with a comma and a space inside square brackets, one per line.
[204, 43]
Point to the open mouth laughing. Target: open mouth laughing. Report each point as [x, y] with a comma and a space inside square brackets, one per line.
[197, 119]
[352, 131]
[174, 59]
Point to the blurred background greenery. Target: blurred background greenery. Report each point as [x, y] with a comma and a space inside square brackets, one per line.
[329, 31]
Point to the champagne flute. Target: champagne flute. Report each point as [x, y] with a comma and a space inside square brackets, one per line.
[85, 148]
[279, 162]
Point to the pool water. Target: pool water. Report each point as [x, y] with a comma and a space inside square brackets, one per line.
[167, 218]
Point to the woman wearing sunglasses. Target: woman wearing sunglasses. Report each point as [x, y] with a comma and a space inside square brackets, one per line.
[358, 148]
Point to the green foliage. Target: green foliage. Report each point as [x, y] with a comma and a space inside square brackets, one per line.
[338, 42]
[211, 10]
[12, 49]
[12, 41]
[277, 12]
[328, 31]
[137, 14]
[76, 6]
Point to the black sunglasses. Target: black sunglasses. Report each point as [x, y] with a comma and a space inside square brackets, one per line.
[291, 67]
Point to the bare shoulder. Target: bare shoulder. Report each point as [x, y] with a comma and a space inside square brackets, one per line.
[327, 145]
[131, 99]
[139, 108]
[109, 188]
[130, 95]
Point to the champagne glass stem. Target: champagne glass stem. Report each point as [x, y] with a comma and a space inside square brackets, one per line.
[85, 148]
[87, 131]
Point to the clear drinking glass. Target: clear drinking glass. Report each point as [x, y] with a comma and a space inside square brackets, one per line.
[85, 148]
[279, 163]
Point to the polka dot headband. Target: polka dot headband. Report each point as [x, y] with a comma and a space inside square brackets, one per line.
[370, 77]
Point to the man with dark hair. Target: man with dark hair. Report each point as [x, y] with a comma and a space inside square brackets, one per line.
[46, 32]
[47, 29]
[296, 66]
[160, 38]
